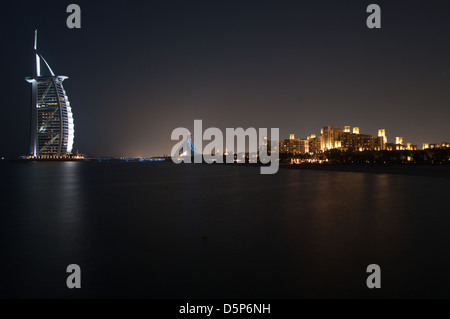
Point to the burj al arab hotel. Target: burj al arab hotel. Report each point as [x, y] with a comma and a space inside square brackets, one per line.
[51, 120]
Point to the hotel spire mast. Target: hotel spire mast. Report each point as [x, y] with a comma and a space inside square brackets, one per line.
[37, 69]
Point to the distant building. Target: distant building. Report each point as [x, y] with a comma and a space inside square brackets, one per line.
[52, 126]
[393, 147]
[356, 141]
[291, 146]
[330, 135]
[411, 147]
[435, 145]
[304, 146]
[380, 143]
[314, 144]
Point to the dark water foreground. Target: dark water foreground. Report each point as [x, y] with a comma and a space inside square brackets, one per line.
[137, 230]
[442, 171]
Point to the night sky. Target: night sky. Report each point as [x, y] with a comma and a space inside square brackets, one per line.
[139, 69]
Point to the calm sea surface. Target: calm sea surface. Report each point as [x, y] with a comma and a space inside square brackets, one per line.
[136, 230]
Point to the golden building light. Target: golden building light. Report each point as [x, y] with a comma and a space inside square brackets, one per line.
[313, 135]
[337, 144]
[382, 132]
[291, 136]
[408, 146]
[399, 140]
[356, 130]
[347, 129]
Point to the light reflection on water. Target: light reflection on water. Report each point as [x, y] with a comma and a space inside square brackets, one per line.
[136, 229]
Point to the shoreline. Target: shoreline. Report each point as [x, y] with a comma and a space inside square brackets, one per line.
[427, 170]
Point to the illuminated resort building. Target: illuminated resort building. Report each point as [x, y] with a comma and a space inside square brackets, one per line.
[293, 146]
[330, 135]
[334, 137]
[435, 145]
[314, 143]
[381, 140]
[52, 127]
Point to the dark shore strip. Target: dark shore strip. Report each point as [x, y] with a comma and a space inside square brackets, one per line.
[413, 170]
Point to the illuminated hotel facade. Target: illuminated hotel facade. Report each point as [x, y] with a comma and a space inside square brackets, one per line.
[293, 146]
[435, 145]
[334, 137]
[52, 126]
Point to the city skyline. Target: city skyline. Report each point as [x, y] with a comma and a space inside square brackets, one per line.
[137, 72]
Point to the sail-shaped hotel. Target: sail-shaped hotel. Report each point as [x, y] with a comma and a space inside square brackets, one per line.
[51, 120]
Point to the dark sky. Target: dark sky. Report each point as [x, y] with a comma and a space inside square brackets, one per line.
[139, 69]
